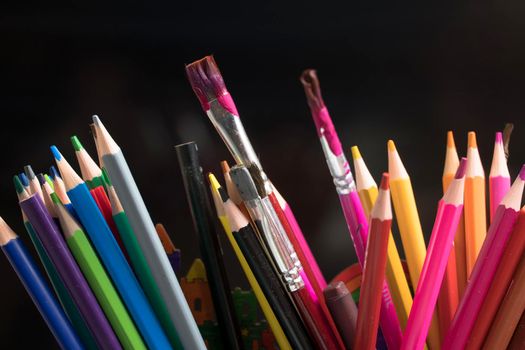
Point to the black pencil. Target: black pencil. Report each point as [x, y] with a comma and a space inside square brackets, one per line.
[206, 228]
[265, 274]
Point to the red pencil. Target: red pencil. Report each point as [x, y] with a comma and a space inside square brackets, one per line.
[374, 269]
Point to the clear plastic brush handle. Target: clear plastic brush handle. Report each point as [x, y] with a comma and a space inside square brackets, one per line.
[339, 168]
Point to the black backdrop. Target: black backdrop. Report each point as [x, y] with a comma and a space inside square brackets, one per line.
[406, 72]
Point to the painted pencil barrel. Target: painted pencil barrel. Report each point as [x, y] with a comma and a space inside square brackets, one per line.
[138, 261]
[475, 219]
[117, 267]
[40, 293]
[147, 237]
[104, 291]
[69, 272]
[498, 188]
[61, 291]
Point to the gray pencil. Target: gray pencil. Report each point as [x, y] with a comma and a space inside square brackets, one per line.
[148, 239]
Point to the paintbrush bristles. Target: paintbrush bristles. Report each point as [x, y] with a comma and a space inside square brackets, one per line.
[312, 89]
[206, 80]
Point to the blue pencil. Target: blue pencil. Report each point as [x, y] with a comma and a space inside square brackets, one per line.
[37, 287]
[111, 256]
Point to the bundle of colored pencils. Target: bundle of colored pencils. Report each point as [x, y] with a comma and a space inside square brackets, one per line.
[114, 286]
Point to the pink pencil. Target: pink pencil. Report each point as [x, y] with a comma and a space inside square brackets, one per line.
[348, 196]
[499, 178]
[310, 259]
[483, 272]
[445, 226]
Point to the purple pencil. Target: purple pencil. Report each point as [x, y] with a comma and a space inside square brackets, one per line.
[69, 271]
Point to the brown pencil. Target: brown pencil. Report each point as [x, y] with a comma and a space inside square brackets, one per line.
[374, 269]
[518, 339]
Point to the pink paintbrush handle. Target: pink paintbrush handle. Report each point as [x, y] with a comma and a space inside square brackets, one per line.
[498, 188]
[358, 227]
[304, 246]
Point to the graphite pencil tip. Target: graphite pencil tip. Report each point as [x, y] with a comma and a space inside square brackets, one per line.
[56, 153]
[206, 80]
[472, 143]
[462, 168]
[29, 172]
[355, 152]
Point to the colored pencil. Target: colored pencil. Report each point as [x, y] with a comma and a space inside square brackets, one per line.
[37, 288]
[111, 255]
[231, 189]
[60, 190]
[92, 176]
[475, 207]
[147, 237]
[64, 297]
[196, 194]
[221, 200]
[281, 251]
[483, 273]
[445, 226]
[172, 253]
[509, 313]
[395, 275]
[69, 272]
[208, 84]
[261, 264]
[343, 309]
[374, 270]
[140, 266]
[518, 338]
[455, 273]
[97, 278]
[410, 230]
[348, 196]
[502, 279]
[34, 185]
[499, 177]
[25, 181]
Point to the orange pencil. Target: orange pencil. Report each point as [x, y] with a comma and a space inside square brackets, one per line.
[448, 296]
[475, 205]
[374, 269]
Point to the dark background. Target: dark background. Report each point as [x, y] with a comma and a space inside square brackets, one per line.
[406, 72]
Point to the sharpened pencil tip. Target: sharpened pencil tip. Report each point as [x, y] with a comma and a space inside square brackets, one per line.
[213, 181]
[54, 173]
[391, 146]
[355, 152]
[96, 120]
[499, 137]
[472, 143]
[76, 143]
[225, 167]
[54, 198]
[450, 140]
[462, 168]
[41, 179]
[18, 184]
[385, 182]
[56, 153]
[522, 172]
[23, 178]
[29, 172]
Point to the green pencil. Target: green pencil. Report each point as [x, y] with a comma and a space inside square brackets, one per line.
[140, 266]
[98, 280]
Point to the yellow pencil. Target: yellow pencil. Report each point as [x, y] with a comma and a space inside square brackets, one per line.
[274, 324]
[451, 164]
[409, 228]
[475, 205]
[395, 275]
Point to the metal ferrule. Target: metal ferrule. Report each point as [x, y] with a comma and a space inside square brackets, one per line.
[339, 168]
[268, 234]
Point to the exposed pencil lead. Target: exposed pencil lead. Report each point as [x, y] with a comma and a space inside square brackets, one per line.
[76, 143]
[56, 153]
[472, 140]
[41, 179]
[18, 184]
[450, 140]
[29, 172]
[53, 171]
[23, 178]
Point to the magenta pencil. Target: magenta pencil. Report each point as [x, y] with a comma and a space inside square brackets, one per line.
[483, 272]
[425, 298]
[499, 178]
[348, 196]
[310, 259]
